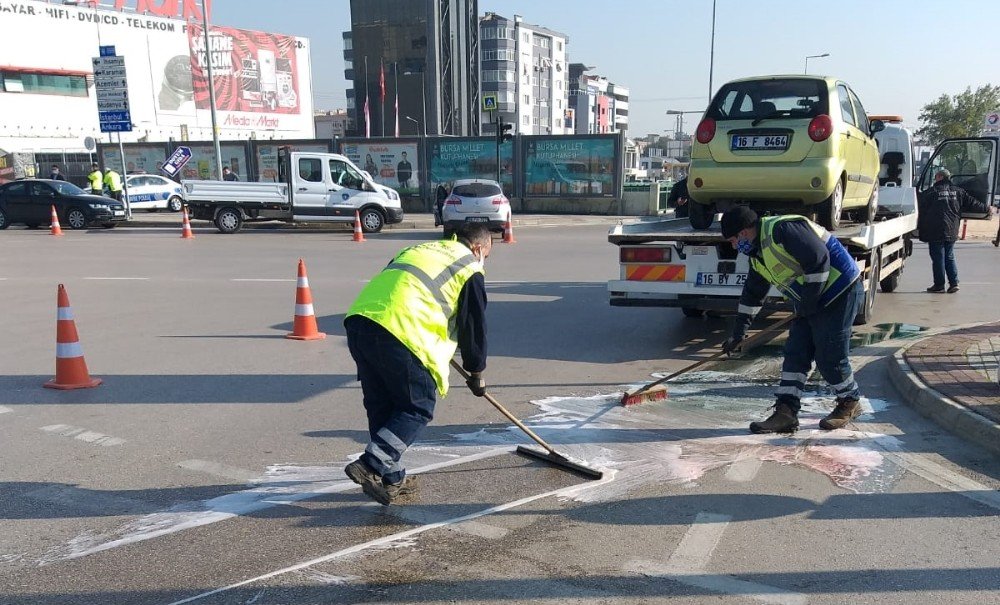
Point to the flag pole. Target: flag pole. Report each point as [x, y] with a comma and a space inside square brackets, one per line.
[395, 76]
[367, 125]
[381, 79]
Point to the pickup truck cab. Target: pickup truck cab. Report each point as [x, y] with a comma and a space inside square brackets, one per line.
[312, 187]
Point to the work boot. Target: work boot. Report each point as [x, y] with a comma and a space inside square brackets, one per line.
[404, 488]
[935, 289]
[847, 409]
[783, 420]
[370, 482]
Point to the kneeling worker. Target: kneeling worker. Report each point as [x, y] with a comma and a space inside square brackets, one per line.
[818, 276]
[402, 332]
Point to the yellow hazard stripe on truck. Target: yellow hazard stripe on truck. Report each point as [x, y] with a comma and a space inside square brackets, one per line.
[654, 272]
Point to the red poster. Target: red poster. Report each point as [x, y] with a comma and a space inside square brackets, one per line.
[253, 71]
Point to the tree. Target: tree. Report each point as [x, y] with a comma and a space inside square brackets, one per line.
[957, 116]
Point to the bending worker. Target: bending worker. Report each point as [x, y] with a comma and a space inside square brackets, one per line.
[402, 332]
[96, 180]
[113, 182]
[817, 275]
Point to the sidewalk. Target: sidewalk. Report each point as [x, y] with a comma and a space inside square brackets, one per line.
[951, 377]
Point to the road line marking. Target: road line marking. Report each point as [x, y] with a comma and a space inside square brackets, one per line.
[117, 278]
[697, 545]
[255, 279]
[744, 470]
[221, 470]
[65, 430]
[387, 540]
[5, 410]
[723, 584]
[421, 515]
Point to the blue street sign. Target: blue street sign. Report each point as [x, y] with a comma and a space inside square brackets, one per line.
[107, 51]
[114, 116]
[176, 161]
[116, 126]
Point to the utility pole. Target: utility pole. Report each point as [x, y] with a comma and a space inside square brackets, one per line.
[211, 92]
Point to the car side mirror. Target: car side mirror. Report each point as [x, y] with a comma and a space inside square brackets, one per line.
[876, 126]
[366, 186]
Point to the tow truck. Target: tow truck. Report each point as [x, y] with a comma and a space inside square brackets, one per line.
[667, 263]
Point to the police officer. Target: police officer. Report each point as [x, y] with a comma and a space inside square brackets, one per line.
[402, 332]
[96, 180]
[113, 182]
[817, 275]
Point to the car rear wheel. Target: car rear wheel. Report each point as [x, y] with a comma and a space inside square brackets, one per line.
[701, 215]
[174, 204]
[692, 312]
[76, 219]
[872, 209]
[831, 208]
[372, 220]
[3, 220]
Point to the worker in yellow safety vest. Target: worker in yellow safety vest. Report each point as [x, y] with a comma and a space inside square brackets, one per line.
[402, 332]
[96, 180]
[113, 183]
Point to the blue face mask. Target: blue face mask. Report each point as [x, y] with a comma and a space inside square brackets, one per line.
[744, 246]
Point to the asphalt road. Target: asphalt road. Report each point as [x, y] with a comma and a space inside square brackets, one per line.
[208, 466]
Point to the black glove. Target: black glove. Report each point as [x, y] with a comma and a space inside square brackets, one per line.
[476, 384]
[733, 344]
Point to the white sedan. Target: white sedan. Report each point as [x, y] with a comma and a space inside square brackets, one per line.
[153, 192]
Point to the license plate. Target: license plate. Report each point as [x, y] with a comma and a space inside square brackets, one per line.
[119, 213]
[477, 219]
[743, 142]
[721, 279]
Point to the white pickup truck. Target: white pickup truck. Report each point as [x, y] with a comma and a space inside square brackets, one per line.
[312, 187]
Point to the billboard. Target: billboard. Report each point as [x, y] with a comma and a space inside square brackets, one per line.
[563, 166]
[470, 158]
[139, 158]
[395, 165]
[202, 165]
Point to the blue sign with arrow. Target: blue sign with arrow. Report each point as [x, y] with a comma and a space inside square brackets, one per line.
[176, 161]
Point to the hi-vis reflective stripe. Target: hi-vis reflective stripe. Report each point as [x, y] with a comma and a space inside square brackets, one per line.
[304, 310]
[64, 313]
[655, 272]
[816, 277]
[794, 377]
[747, 310]
[68, 350]
[303, 282]
[436, 284]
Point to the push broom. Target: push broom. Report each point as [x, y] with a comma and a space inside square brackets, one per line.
[549, 454]
[655, 391]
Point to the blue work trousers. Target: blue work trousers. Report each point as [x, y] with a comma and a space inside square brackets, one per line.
[823, 337]
[399, 395]
[943, 263]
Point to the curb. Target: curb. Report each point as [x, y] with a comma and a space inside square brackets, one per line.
[554, 221]
[946, 412]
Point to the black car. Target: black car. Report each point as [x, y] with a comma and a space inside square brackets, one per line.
[30, 201]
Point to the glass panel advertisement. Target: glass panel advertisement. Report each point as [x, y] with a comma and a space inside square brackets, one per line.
[455, 158]
[139, 158]
[579, 166]
[267, 157]
[201, 166]
[395, 165]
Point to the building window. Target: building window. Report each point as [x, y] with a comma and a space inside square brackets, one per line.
[559, 104]
[558, 45]
[498, 75]
[534, 121]
[44, 84]
[527, 99]
[559, 84]
[499, 55]
[542, 42]
[497, 33]
[526, 37]
[526, 120]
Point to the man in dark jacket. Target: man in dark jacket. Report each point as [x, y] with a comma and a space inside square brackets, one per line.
[440, 195]
[56, 174]
[678, 198]
[940, 214]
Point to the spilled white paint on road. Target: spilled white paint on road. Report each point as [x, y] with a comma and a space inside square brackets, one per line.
[5, 410]
[82, 434]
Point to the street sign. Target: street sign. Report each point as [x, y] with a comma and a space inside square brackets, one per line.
[176, 161]
[111, 87]
[993, 120]
[489, 102]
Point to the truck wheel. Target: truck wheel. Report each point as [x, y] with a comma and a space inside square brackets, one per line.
[831, 208]
[372, 220]
[890, 283]
[692, 312]
[701, 215]
[229, 220]
[872, 208]
[867, 309]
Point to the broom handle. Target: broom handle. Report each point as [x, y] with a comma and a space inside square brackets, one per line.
[504, 411]
[781, 324]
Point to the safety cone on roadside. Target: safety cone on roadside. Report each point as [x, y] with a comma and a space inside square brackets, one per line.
[359, 235]
[304, 326]
[186, 233]
[508, 233]
[71, 368]
[56, 229]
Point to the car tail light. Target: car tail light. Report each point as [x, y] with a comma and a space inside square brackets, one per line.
[820, 128]
[453, 201]
[706, 131]
[644, 255]
[499, 201]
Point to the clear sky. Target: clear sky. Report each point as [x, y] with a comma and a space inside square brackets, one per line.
[897, 54]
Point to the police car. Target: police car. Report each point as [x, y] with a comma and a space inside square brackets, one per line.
[153, 192]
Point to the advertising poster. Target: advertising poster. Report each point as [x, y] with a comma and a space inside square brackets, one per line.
[455, 158]
[253, 71]
[395, 165]
[577, 166]
[267, 157]
[139, 158]
[202, 166]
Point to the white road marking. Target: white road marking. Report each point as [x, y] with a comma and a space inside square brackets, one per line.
[83, 434]
[220, 470]
[698, 544]
[5, 410]
[117, 278]
[744, 470]
[725, 584]
[424, 516]
[384, 541]
[261, 279]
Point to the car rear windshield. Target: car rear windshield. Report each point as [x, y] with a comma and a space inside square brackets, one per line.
[476, 190]
[792, 98]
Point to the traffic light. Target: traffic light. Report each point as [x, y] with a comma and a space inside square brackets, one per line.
[503, 131]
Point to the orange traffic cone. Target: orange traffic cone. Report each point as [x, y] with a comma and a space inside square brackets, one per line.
[304, 326]
[71, 368]
[508, 233]
[56, 229]
[359, 235]
[186, 233]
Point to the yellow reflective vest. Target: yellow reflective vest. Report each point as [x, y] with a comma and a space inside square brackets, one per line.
[113, 180]
[95, 180]
[415, 298]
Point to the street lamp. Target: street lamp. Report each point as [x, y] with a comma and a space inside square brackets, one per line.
[423, 95]
[806, 70]
[680, 119]
[415, 122]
